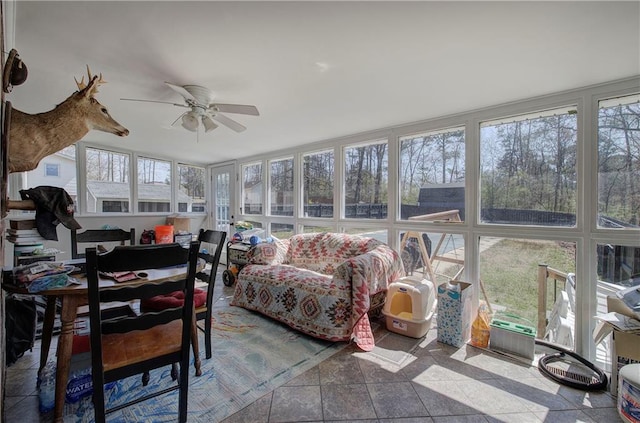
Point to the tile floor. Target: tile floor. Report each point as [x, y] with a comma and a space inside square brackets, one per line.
[401, 380]
[409, 381]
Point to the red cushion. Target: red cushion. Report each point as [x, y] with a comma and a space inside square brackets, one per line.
[175, 299]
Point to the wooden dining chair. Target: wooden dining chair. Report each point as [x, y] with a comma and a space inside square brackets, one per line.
[100, 235]
[213, 242]
[127, 346]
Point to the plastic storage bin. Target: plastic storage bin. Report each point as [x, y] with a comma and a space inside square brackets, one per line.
[409, 307]
[164, 234]
[629, 393]
[512, 338]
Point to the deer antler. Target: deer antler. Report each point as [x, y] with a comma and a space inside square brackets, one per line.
[93, 87]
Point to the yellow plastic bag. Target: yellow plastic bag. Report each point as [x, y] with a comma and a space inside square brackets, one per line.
[480, 329]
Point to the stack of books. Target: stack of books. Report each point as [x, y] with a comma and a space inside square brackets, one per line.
[23, 232]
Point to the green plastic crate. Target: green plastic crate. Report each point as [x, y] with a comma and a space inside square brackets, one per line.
[512, 338]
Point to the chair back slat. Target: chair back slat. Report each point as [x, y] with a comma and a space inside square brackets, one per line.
[143, 322]
[138, 255]
[100, 235]
[128, 292]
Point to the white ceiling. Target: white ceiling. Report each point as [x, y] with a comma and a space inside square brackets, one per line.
[315, 70]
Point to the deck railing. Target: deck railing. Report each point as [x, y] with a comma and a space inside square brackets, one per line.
[544, 274]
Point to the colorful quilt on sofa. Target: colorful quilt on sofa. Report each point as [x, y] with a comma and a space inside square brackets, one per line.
[319, 283]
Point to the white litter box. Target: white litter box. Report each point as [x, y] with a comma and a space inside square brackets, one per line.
[410, 305]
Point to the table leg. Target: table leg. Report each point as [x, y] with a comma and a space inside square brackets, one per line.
[47, 330]
[195, 345]
[65, 342]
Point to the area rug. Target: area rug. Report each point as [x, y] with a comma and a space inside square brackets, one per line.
[252, 355]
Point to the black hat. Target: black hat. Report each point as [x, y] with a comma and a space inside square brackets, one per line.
[14, 72]
[53, 205]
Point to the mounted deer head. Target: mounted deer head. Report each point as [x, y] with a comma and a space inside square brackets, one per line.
[33, 137]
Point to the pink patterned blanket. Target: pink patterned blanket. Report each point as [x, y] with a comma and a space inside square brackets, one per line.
[320, 283]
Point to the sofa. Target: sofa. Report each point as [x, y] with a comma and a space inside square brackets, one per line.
[322, 284]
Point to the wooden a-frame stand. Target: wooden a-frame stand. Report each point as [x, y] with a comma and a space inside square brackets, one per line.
[449, 216]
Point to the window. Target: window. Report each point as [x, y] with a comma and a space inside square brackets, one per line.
[317, 184]
[51, 169]
[528, 169]
[365, 181]
[281, 230]
[619, 163]
[115, 206]
[432, 173]
[58, 170]
[618, 265]
[191, 197]
[221, 190]
[154, 185]
[379, 234]
[281, 187]
[313, 229]
[509, 270]
[108, 181]
[252, 188]
[436, 256]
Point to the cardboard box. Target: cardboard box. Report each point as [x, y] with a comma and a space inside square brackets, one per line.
[454, 314]
[625, 346]
[180, 224]
[615, 304]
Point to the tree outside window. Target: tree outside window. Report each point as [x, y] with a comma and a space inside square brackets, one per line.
[432, 173]
[191, 189]
[252, 188]
[154, 185]
[281, 187]
[619, 163]
[108, 187]
[318, 184]
[366, 179]
[528, 169]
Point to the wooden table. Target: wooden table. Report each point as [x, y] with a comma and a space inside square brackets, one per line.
[72, 297]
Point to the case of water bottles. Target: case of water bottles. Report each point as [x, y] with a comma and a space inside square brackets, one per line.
[47, 387]
[79, 386]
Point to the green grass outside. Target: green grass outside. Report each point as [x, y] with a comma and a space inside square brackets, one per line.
[509, 270]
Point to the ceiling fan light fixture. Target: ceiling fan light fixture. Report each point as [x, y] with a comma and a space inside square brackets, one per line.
[199, 100]
[209, 124]
[190, 121]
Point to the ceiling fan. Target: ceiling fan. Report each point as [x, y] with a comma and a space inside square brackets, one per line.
[199, 100]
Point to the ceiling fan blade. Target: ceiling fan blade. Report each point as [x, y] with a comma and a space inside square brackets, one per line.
[179, 117]
[229, 122]
[180, 90]
[244, 109]
[209, 124]
[154, 101]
